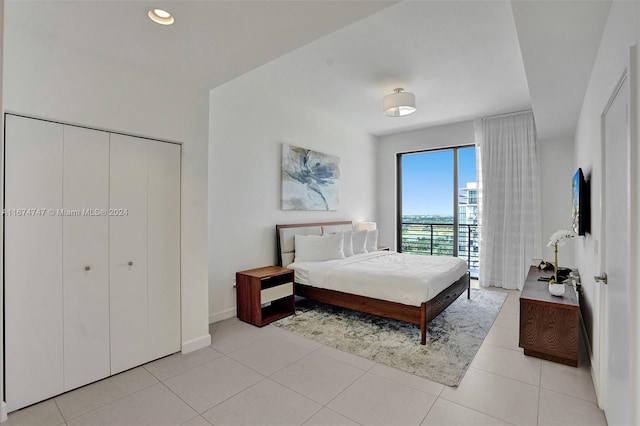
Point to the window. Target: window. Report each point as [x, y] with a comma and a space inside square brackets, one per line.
[438, 204]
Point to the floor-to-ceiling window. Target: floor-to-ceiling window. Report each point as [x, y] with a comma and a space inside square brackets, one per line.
[438, 204]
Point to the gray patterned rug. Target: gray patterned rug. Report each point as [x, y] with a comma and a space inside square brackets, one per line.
[453, 337]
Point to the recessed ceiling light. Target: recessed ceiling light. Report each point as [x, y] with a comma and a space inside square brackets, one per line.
[160, 16]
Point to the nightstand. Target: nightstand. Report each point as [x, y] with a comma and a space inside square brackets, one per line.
[384, 248]
[265, 294]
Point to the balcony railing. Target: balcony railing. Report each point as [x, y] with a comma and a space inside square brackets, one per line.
[437, 239]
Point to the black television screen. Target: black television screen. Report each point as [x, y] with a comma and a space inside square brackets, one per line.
[579, 204]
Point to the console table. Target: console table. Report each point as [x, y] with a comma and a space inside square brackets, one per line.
[549, 325]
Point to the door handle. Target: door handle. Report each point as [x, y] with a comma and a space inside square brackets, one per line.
[602, 278]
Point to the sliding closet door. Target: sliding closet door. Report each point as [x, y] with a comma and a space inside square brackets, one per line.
[164, 248]
[33, 261]
[92, 256]
[128, 253]
[86, 256]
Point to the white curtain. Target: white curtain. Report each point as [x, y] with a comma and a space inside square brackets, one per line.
[509, 199]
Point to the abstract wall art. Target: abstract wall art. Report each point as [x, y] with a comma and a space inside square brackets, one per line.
[310, 179]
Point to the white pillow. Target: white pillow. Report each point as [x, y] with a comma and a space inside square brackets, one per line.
[359, 240]
[316, 248]
[371, 244]
[347, 244]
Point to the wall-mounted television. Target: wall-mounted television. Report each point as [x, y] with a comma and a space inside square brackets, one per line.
[580, 204]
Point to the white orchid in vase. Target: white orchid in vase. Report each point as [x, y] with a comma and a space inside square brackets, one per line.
[557, 239]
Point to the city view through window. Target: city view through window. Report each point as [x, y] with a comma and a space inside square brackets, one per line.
[435, 184]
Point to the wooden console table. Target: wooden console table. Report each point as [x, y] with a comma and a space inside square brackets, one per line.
[549, 325]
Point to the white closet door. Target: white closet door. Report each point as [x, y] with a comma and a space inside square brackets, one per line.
[164, 248]
[128, 253]
[86, 256]
[33, 261]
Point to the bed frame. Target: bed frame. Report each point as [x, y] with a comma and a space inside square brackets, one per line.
[413, 314]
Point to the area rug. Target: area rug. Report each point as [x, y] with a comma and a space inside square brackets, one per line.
[453, 337]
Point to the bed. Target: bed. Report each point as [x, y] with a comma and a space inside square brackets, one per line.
[418, 309]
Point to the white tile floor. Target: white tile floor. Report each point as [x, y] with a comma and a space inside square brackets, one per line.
[268, 376]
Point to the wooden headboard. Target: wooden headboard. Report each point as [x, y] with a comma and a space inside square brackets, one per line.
[285, 235]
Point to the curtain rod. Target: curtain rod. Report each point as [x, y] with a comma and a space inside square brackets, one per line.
[507, 114]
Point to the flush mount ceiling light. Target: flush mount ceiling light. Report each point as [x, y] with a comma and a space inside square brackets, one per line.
[160, 16]
[399, 103]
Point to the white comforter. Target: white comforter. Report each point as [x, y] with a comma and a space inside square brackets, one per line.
[396, 277]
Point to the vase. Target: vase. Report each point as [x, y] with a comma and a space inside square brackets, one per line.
[556, 289]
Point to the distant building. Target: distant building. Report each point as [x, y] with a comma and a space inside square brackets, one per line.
[468, 238]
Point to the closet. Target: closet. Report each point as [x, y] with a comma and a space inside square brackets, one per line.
[91, 257]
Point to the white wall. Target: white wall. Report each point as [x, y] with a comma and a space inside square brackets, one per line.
[634, 295]
[3, 407]
[556, 174]
[620, 33]
[248, 126]
[45, 80]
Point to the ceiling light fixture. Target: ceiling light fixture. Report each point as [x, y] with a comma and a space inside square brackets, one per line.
[399, 103]
[161, 16]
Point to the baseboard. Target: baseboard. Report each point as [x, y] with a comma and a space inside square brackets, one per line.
[585, 339]
[3, 412]
[195, 344]
[222, 315]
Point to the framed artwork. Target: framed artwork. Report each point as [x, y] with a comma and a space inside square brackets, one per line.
[310, 179]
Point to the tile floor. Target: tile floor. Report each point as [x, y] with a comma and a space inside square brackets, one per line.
[268, 376]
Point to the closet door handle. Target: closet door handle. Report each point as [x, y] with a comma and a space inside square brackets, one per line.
[130, 263]
[87, 268]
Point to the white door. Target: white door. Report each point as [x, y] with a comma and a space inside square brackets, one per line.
[86, 256]
[615, 257]
[128, 253]
[33, 261]
[164, 248]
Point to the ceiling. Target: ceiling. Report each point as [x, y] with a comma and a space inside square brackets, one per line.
[211, 41]
[462, 59]
[559, 41]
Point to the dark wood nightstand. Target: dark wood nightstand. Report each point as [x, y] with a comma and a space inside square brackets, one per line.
[549, 325]
[265, 294]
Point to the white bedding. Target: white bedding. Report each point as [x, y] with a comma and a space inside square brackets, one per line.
[387, 275]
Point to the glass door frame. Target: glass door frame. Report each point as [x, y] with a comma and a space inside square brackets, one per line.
[456, 195]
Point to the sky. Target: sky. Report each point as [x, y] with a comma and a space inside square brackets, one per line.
[427, 180]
